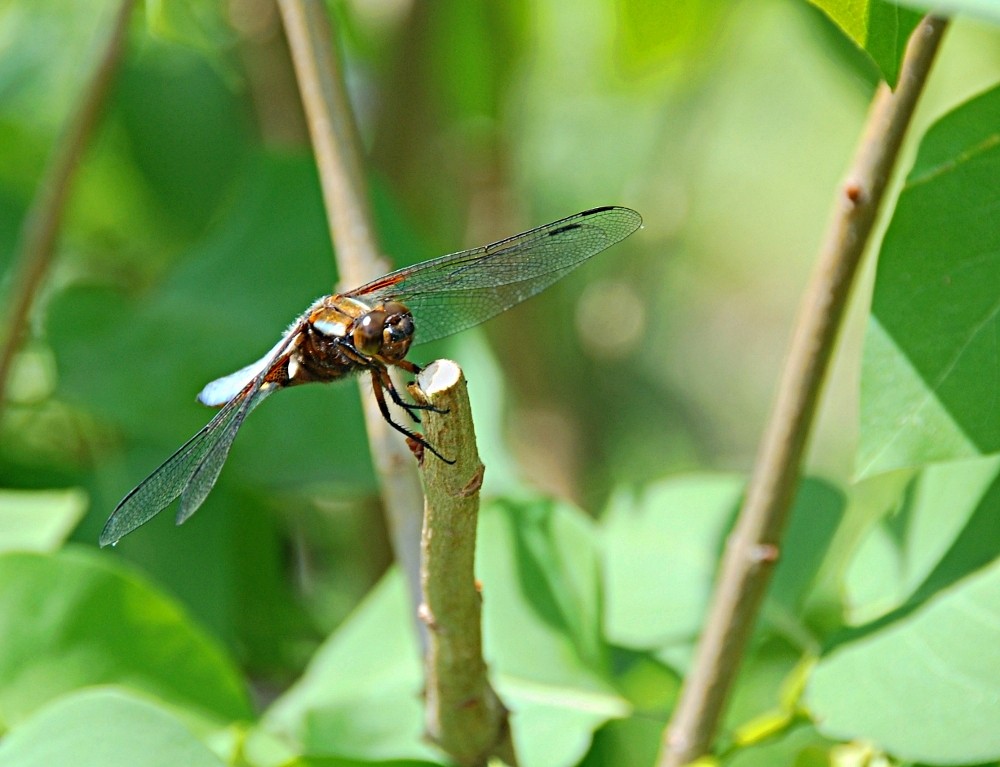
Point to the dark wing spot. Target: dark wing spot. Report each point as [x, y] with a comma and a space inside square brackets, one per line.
[562, 229]
[592, 211]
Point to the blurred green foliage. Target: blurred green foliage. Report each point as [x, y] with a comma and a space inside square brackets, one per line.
[633, 392]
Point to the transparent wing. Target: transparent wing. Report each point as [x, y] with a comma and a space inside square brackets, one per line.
[457, 291]
[191, 471]
[205, 474]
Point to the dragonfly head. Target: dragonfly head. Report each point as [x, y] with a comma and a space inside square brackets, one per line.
[386, 332]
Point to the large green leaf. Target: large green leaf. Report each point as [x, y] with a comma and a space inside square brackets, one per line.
[661, 555]
[931, 372]
[73, 619]
[923, 686]
[104, 728]
[879, 27]
[539, 565]
[360, 696]
[944, 529]
[869, 503]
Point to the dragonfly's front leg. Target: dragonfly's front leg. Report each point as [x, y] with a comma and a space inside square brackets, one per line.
[409, 407]
[377, 387]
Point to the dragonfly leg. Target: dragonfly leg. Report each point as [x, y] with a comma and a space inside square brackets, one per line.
[409, 367]
[414, 369]
[377, 387]
[385, 380]
[409, 407]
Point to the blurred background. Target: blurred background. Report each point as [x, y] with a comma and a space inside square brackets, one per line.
[196, 233]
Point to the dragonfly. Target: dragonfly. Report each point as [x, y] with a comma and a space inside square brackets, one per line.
[370, 330]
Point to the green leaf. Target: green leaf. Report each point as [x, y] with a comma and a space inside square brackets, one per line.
[539, 565]
[257, 747]
[38, 520]
[662, 551]
[104, 728]
[539, 562]
[867, 565]
[73, 620]
[924, 686]
[930, 371]
[879, 27]
[944, 529]
[360, 695]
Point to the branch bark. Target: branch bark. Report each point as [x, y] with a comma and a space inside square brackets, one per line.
[345, 193]
[464, 716]
[41, 225]
[753, 547]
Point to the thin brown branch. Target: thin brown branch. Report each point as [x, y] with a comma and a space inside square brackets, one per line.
[753, 547]
[41, 225]
[345, 194]
[464, 716]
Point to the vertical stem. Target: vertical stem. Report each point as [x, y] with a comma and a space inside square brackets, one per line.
[41, 225]
[752, 549]
[345, 194]
[464, 716]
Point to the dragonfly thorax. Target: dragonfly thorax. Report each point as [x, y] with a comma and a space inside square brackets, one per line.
[343, 336]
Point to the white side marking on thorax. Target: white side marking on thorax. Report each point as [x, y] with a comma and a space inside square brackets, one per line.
[336, 329]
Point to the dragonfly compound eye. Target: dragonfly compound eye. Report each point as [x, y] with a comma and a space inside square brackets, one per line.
[368, 332]
[398, 325]
[397, 332]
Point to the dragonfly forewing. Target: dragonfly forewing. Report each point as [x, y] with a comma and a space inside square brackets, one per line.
[455, 292]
